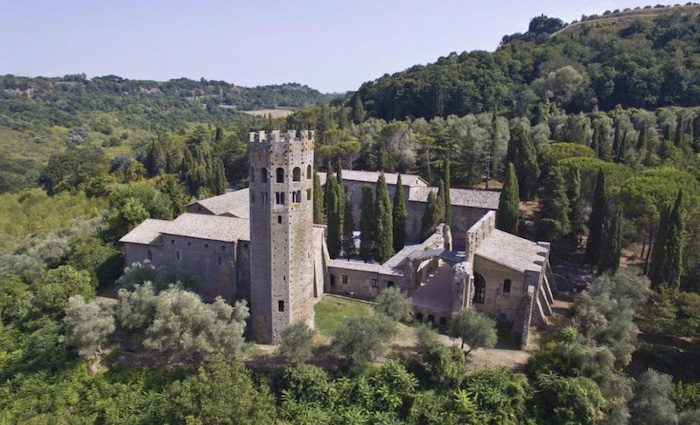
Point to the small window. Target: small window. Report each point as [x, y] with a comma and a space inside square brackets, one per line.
[206, 246]
[419, 317]
[308, 171]
[199, 209]
[308, 194]
[172, 241]
[431, 319]
[280, 305]
[223, 247]
[279, 219]
[389, 283]
[279, 198]
[506, 286]
[374, 283]
[263, 175]
[295, 197]
[280, 174]
[189, 243]
[177, 254]
[344, 279]
[264, 197]
[296, 174]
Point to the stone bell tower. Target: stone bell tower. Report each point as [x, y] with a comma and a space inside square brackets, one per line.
[281, 231]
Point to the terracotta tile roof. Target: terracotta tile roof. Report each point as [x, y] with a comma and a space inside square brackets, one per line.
[146, 233]
[511, 251]
[233, 203]
[460, 197]
[373, 176]
[200, 226]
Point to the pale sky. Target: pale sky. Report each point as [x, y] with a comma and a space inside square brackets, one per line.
[328, 45]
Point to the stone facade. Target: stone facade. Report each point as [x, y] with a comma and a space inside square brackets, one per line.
[281, 236]
[260, 244]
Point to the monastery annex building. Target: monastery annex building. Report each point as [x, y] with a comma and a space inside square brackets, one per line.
[260, 244]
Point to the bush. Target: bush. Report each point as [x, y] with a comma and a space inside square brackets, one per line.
[395, 305]
[474, 329]
[362, 339]
[87, 326]
[296, 344]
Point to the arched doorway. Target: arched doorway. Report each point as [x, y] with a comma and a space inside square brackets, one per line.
[479, 289]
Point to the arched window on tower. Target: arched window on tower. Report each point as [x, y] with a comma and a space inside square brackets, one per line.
[280, 175]
[308, 171]
[296, 174]
[263, 175]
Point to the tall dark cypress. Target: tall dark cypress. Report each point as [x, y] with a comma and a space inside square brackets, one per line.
[357, 112]
[330, 186]
[573, 192]
[666, 264]
[441, 202]
[430, 216]
[524, 161]
[508, 215]
[448, 200]
[399, 215]
[348, 229]
[333, 229]
[367, 218]
[384, 225]
[554, 211]
[318, 200]
[340, 188]
[617, 142]
[599, 214]
[220, 183]
[610, 258]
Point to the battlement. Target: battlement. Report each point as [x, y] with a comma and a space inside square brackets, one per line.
[278, 136]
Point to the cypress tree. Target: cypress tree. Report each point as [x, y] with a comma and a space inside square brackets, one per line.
[340, 188]
[188, 174]
[599, 214]
[348, 229]
[508, 215]
[330, 186]
[642, 139]
[617, 142]
[441, 202]
[399, 215]
[220, 183]
[430, 216]
[525, 162]
[610, 255]
[333, 230]
[595, 141]
[554, 211]
[573, 192]
[448, 200]
[318, 200]
[357, 109]
[367, 218]
[384, 226]
[667, 257]
[382, 157]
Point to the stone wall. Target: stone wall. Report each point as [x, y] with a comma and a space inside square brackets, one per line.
[212, 262]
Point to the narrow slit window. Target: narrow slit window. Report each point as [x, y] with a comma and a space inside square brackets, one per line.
[280, 305]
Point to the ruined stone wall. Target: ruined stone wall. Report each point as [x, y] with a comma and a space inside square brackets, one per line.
[362, 284]
[497, 304]
[281, 231]
[462, 219]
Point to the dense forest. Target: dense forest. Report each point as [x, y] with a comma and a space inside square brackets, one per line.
[40, 116]
[591, 129]
[628, 58]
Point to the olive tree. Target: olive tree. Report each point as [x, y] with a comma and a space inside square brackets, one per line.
[474, 329]
[395, 305]
[88, 325]
[296, 343]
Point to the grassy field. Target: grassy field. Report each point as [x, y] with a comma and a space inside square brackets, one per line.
[331, 311]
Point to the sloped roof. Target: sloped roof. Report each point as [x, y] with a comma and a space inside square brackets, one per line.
[511, 251]
[200, 226]
[146, 233]
[459, 197]
[233, 203]
[372, 177]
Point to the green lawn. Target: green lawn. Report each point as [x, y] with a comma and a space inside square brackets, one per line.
[331, 311]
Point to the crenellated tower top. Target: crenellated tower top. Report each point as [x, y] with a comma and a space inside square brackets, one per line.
[278, 136]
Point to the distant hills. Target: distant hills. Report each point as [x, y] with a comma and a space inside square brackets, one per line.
[644, 57]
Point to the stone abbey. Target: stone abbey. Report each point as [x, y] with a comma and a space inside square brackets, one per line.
[260, 244]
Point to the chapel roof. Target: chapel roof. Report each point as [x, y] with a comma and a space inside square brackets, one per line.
[511, 251]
